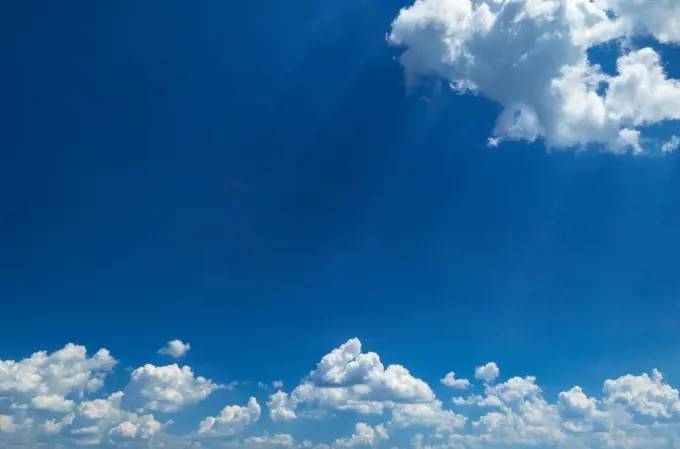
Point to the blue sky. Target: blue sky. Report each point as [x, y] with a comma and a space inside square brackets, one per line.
[263, 182]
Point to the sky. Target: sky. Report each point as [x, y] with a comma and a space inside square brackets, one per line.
[440, 224]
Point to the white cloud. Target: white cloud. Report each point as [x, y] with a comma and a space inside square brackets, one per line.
[232, 419]
[175, 348]
[488, 373]
[53, 403]
[280, 407]
[126, 429]
[7, 424]
[52, 426]
[531, 57]
[450, 381]
[364, 435]
[575, 403]
[348, 366]
[100, 408]
[348, 379]
[514, 389]
[646, 395]
[143, 427]
[100, 419]
[166, 388]
[671, 145]
[428, 415]
[61, 373]
[274, 385]
[279, 439]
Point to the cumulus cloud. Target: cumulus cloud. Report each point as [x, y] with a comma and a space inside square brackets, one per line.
[52, 426]
[144, 427]
[280, 407]
[532, 58]
[53, 403]
[646, 395]
[166, 388]
[450, 381]
[175, 348]
[488, 373]
[102, 419]
[348, 379]
[232, 419]
[7, 424]
[428, 415]
[575, 403]
[52, 377]
[364, 435]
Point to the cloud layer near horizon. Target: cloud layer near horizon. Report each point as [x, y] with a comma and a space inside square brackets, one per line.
[532, 57]
[60, 400]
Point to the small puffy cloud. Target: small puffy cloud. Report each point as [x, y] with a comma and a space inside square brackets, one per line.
[671, 145]
[488, 373]
[364, 435]
[232, 419]
[450, 381]
[52, 426]
[514, 389]
[271, 386]
[52, 403]
[166, 388]
[532, 58]
[175, 348]
[7, 424]
[280, 407]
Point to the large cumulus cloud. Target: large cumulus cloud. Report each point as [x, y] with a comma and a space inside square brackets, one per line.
[532, 57]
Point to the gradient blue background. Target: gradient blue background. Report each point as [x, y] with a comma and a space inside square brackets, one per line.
[253, 178]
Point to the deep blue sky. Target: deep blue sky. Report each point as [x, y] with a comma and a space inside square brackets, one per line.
[254, 179]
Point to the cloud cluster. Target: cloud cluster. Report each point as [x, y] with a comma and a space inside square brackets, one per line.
[45, 399]
[45, 402]
[44, 381]
[532, 58]
[102, 421]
